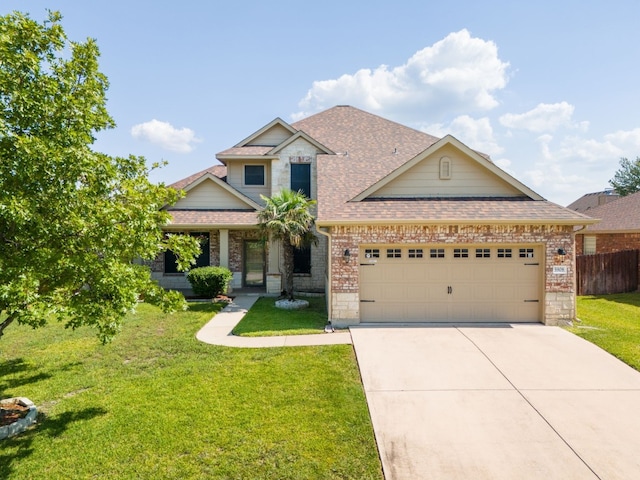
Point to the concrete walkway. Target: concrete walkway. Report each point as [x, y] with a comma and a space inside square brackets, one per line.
[218, 330]
[509, 402]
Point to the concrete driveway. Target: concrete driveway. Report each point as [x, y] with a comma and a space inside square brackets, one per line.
[503, 402]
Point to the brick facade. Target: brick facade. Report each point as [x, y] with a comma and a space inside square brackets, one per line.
[559, 290]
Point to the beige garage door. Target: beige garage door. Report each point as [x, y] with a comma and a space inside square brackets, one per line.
[437, 283]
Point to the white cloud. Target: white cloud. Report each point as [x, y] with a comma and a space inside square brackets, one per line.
[165, 135]
[457, 74]
[546, 117]
[476, 133]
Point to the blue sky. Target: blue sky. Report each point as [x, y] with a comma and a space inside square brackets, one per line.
[549, 88]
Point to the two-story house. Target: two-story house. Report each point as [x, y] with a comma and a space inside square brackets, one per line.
[411, 228]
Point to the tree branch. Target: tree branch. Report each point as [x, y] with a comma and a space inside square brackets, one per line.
[8, 321]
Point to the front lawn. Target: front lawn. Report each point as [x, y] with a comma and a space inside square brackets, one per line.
[156, 403]
[265, 320]
[613, 323]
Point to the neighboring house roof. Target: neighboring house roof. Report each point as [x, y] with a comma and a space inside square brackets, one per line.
[593, 200]
[620, 216]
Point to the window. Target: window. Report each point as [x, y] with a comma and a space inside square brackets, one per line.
[301, 178]
[483, 253]
[394, 253]
[254, 174]
[436, 253]
[371, 253]
[170, 265]
[445, 168]
[526, 253]
[415, 253]
[460, 253]
[504, 253]
[589, 245]
[302, 260]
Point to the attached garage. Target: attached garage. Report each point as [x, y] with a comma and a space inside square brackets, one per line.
[451, 283]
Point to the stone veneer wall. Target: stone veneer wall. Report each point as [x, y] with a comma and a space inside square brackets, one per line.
[559, 301]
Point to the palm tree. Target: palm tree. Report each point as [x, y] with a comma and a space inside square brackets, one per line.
[287, 217]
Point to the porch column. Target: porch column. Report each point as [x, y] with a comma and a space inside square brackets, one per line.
[274, 278]
[224, 248]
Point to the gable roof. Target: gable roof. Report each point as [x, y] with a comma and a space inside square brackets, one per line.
[474, 156]
[275, 123]
[371, 150]
[620, 216]
[219, 171]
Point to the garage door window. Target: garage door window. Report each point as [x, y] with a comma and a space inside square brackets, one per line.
[504, 253]
[415, 253]
[460, 253]
[526, 253]
[394, 253]
[436, 253]
[483, 253]
[372, 253]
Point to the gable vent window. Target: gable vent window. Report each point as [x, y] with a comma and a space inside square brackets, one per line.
[436, 253]
[394, 253]
[445, 168]
[526, 253]
[372, 253]
[254, 175]
[460, 253]
[504, 253]
[483, 253]
[415, 253]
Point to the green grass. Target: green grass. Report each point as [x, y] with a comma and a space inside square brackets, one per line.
[613, 323]
[156, 403]
[265, 320]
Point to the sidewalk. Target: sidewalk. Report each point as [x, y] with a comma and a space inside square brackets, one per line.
[218, 330]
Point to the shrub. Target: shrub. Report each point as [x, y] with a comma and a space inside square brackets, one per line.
[209, 281]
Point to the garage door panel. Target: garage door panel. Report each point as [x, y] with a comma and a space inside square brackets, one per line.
[460, 288]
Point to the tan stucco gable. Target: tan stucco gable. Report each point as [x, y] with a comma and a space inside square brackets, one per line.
[448, 168]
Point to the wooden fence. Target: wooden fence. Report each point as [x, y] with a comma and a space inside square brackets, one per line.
[607, 273]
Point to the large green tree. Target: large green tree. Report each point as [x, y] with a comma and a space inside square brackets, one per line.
[76, 225]
[627, 179]
[287, 217]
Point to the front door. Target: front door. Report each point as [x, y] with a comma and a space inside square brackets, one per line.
[254, 260]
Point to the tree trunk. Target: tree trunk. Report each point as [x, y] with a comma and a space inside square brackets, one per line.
[8, 321]
[287, 250]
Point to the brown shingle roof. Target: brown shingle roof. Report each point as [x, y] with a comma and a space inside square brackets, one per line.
[620, 215]
[249, 151]
[220, 218]
[593, 200]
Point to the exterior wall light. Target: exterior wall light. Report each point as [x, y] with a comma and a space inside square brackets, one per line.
[346, 256]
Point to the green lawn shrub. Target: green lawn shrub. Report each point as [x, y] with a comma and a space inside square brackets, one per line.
[209, 281]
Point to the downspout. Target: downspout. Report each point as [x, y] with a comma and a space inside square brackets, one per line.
[322, 231]
[575, 273]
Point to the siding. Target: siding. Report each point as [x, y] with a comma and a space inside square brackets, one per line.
[209, 195]
[468, 179]
[272, 137]
[235, 178]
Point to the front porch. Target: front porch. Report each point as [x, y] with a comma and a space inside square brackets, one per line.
[253, 262]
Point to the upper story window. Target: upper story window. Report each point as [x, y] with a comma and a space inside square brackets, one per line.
[254, 175]
[301, 178]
